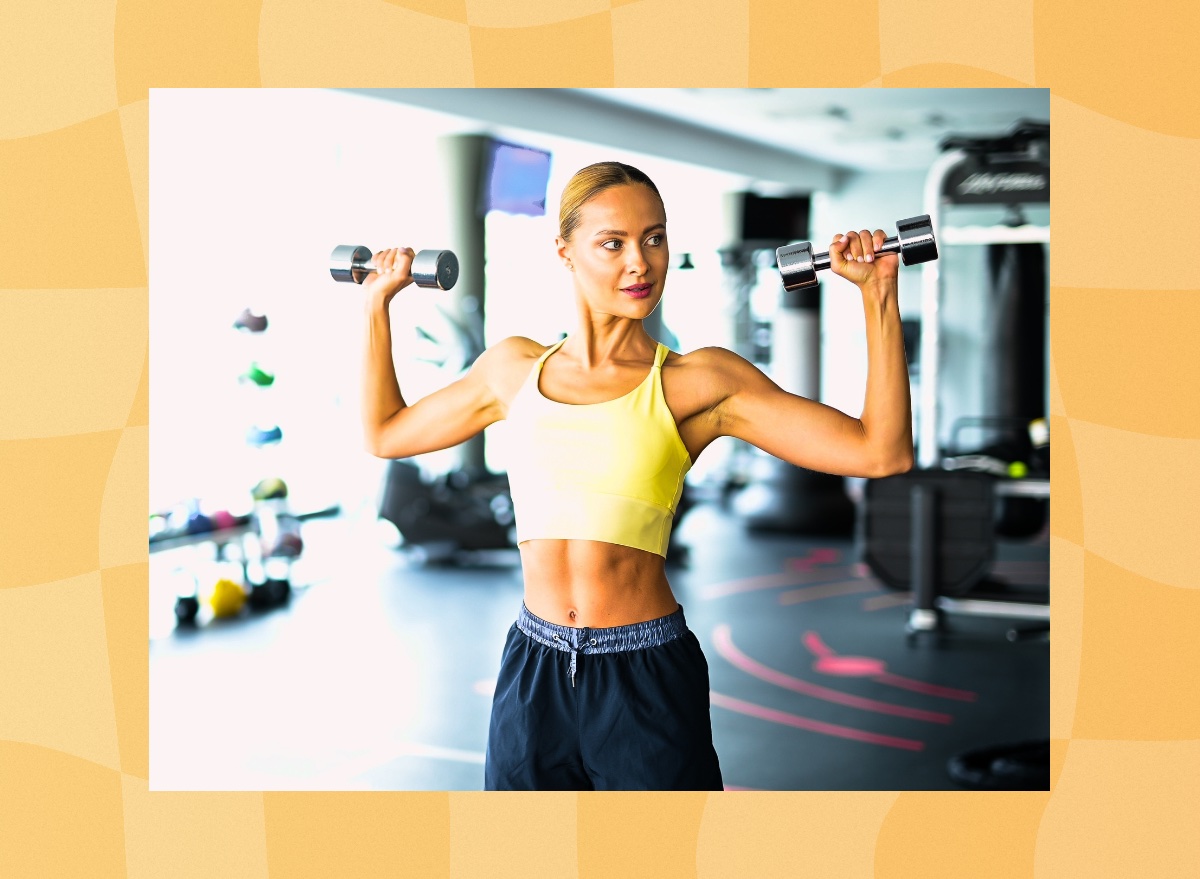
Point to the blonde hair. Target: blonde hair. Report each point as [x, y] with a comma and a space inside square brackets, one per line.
[591, 181]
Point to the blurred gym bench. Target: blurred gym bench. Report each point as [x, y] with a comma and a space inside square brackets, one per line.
[932, 532]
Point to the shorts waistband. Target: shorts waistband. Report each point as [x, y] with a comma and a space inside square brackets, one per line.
[613, 639]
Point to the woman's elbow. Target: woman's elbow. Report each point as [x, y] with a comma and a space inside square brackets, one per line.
[898, 464]
[373, 445]
[891, 465]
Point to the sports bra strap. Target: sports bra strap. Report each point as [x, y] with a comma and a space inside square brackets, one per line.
[550, 351]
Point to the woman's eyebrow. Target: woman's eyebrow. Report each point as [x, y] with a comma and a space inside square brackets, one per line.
[621, 232]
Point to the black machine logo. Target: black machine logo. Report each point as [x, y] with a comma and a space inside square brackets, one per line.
[990, 184]
[1017, 182]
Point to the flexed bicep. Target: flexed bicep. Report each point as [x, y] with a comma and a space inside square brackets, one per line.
[459, 411]
[795, 429]
[438, 421]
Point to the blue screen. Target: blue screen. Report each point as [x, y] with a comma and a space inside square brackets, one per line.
[517, 179]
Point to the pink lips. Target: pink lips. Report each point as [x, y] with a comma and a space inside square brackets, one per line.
[637, 291]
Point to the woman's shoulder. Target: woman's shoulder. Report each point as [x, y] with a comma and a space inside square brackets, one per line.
[516, 351]
[713, 373]
[506, 363]
[705, 360]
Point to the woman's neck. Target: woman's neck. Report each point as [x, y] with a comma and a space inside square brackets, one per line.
[601, 339]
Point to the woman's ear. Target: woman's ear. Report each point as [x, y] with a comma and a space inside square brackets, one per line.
[563, 249]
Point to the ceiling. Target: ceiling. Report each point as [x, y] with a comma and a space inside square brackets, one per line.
[859, 129]
[800, 139]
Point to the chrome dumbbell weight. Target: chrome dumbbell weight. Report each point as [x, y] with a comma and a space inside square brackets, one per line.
[913, 241]
[430, 268]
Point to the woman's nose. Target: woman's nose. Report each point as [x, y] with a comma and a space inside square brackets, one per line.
[635, 259]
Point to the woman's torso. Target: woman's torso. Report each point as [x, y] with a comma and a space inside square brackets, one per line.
[590, 582]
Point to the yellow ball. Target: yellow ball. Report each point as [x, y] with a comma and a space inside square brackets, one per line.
[227, 598]
[1018, 470]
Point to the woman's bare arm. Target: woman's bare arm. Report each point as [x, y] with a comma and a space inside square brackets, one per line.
[810, 434]
[453, 414]
[391, 427]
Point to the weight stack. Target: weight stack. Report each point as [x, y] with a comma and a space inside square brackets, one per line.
[1015, 379]
[783, 497]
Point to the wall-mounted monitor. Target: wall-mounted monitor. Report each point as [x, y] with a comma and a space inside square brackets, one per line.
[514, 179]
[775, 219]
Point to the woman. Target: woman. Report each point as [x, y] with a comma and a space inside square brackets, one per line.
[602, 685]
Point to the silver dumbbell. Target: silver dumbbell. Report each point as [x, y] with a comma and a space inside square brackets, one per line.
[913, 241]
[430, 268]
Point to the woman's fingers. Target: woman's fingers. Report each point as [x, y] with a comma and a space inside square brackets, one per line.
[393, 272]
[837, 249]
[862, 246]
[854, 250]
[867, 244]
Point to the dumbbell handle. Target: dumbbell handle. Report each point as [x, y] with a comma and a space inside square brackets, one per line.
[364, 264]
[890, 245]
[430, 268]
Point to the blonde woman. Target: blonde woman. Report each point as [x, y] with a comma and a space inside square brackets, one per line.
[602, 685]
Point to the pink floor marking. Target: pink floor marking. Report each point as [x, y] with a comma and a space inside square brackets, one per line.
[882, 602]
[723, 642]
[849, 666]
[876, 670]
[926, 689]
[815, 645]
[828, 729]
[819, 556]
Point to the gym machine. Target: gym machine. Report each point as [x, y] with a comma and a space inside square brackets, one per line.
[932, 530]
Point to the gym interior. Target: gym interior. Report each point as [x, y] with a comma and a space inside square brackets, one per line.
[321, 619]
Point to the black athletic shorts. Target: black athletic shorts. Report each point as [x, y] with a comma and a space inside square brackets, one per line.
[620, 708]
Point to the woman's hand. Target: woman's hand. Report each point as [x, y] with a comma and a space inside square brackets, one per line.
[393, 273]
[854, 257]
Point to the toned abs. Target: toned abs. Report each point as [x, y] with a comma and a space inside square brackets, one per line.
[591, 583]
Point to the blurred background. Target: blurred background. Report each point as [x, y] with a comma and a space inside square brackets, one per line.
[322, 619]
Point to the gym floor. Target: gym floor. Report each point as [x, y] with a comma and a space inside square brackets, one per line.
[378, 675]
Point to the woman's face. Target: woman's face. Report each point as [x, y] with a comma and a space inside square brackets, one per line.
[618, 252]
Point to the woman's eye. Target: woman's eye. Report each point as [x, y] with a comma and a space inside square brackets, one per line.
[654, 240]
[612, 244]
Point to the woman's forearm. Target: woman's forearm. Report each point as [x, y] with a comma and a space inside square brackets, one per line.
[381, 398]
[887, 409]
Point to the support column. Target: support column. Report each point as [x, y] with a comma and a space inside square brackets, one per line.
[462, 161]
[788, 498]
[780, 496]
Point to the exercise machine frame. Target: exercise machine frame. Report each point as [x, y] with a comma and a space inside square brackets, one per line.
[924, 615]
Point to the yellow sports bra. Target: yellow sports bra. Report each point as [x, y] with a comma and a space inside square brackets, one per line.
[610, 471]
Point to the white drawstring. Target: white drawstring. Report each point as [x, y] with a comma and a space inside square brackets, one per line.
[575, 649]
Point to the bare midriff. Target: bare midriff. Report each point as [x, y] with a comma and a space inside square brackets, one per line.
[598, 585]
